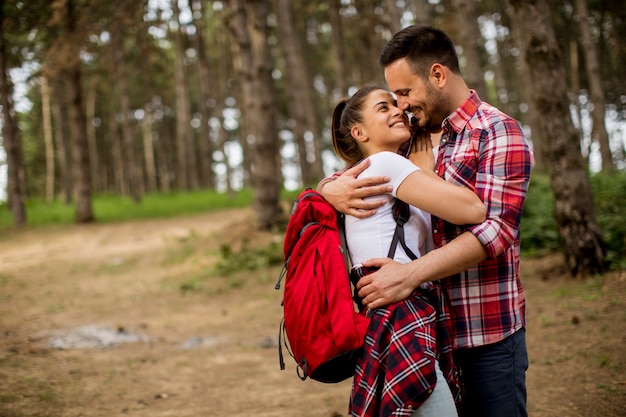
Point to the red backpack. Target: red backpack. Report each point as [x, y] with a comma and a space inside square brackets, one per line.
[324, 331]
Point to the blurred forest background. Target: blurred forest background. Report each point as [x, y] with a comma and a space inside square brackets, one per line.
[133, 98]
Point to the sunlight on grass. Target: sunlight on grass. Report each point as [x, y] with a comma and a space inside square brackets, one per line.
[110, 208]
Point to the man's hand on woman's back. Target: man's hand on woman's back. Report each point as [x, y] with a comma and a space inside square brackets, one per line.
[346, 192]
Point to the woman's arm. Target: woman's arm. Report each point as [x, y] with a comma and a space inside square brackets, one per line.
[450, 202]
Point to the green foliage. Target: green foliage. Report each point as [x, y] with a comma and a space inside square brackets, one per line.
[247, 259]
[539, 233]
[610, 201]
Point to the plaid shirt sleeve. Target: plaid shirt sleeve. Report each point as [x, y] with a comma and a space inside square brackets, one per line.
[490, 155]
[504, 165]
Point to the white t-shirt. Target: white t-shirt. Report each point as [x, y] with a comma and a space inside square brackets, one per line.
[371, 237]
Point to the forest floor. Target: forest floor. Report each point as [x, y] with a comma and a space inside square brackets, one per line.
[204, 345]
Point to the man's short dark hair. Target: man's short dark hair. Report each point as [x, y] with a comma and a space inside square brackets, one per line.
[422, 46]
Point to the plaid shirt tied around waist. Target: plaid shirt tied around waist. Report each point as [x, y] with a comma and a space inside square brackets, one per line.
[396, 372]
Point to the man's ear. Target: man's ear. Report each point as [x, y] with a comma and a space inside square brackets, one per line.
[438, 74]
[358, 134]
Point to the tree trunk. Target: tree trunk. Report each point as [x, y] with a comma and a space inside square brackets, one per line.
[207, 179]
[337, 49]
[249, 24]
[133, 171]
[63, 146]
[11, 136]
[599, 132]
[266, 156]
[78, 129]
[242, 64]
[302, 101]
[472, 42]
[78, 126]
[574, 210]
[91, 134]
[148, 148]
[187, 170]
[522, 74]
[117, 156]
[575, 93]
[48, 137]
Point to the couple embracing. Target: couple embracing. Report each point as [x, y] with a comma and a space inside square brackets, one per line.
[456, 314]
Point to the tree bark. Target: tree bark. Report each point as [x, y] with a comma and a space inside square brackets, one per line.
[574, 210]
[207, 178]
[337, 50]
[63, 146]
[133, 171]
[592, 65]
[186, 172]
[300, 90]
[251, 30]
[11, 137]
[48, 137]
[91, 134]
[471, 41]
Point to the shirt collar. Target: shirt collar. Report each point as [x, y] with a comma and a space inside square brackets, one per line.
[459, 118]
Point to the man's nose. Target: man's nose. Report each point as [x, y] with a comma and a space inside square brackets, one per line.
[403, 104]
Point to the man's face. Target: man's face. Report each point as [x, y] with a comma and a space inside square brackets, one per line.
[416, 95]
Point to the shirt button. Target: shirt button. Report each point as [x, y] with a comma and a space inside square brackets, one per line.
[435, 230]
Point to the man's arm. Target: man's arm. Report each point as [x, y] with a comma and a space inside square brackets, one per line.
[346, 192]
[394, 282]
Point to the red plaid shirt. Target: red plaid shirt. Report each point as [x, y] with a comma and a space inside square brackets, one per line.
[485, 150]
[396, 372]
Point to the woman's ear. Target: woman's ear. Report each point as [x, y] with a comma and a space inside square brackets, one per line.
[358, 134]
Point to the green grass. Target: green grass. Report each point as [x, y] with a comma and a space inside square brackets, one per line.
[113, 208]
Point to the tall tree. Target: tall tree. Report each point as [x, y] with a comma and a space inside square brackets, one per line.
[48, 137]
[302, 105]
[267, 167]
[592, 64]
[187, 172]
[574, 211]
[10, 133]
[249, 25]
[471, 40]
[63, 148]
[133, 169]
[78, 122]
[338, 54]
[204, 92]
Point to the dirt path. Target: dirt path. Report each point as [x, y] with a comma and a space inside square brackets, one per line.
[209, 342]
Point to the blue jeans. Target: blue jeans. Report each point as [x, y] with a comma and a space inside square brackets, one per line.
[494, 378]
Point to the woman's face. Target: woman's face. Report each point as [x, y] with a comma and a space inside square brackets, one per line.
[385, 126]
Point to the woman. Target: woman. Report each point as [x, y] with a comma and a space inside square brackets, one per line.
[406, 367]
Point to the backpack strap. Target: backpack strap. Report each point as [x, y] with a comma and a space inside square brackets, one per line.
[341, 226]
[401, 214]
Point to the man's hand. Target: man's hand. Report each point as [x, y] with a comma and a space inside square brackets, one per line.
[391, 283]
[347, 192]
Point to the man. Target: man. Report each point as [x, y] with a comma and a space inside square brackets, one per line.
[485, 150]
